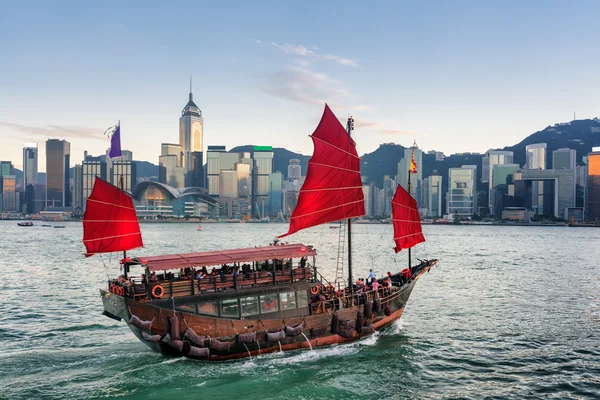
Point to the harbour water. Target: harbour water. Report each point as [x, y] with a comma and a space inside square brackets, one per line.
[511, 312]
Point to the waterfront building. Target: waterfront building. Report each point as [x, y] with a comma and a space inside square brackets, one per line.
[564, 159]
[491, 158]
[39, 195]
[126, 170]
[379, 209]
[191, 136]
[558, 192]
[262, 168]
[58, 163]
[517, 214]
[502, 176]
[243, 170]
[592, 212]
[30, 164]
[461, 200]
[228, 184]
[10, 195]
[536, 156]
[170, 171]
[155, 199]
[389, 187]
[294, 169]
[369, 195]
[434, 196]
[275, 199]
[29, 206]
[77, 189]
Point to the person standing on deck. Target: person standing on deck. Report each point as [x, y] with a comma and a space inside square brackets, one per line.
[372, 277]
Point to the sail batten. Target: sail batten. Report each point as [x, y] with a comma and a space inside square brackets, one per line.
[332, 190]
[110, 223]
[406, 220]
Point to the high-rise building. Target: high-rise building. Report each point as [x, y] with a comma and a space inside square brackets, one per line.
[461, 200]
[294, 169]
[170, 171]
[566, 159]
[10, 200]
[58, 163]
[91, 167]
[30, 164]
[593, 186]
[536, 156]
[77, 190]
[125, 170]
[501, 174]
[228, 184]
[243, 178]
[435, 196]
[263, 166]
[275, 199]
[491, 158]
[213, 154]
[389, 188]
[191, 132]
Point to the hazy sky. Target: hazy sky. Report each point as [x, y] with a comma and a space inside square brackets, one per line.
[454, 75]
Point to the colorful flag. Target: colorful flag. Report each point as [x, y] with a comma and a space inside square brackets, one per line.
[413, 164]
[115, 143]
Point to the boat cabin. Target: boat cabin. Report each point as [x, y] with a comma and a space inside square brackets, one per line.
[229, 283]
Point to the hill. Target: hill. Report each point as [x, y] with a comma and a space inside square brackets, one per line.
[579, 135]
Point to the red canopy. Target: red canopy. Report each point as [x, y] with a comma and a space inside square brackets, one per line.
[220, 257]
[332, 189]
[110, 223]
[407, 223]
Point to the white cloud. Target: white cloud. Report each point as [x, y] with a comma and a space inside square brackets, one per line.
[55, 131]
[300, 50]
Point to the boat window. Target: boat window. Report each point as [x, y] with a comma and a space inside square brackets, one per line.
[268, 303]
[249, 306]
[209, 308]
[287, 300]
[229, 308]
[302, 298]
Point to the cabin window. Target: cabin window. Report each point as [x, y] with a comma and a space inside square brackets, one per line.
[268, 303]
[287, 300]
[302, 298]
[249, 306]
[229, 308]
[209, 308]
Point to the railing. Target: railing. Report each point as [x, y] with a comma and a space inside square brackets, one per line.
[215, 283]
[384, 294]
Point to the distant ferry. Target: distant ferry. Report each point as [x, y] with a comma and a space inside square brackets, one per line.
[28, 223]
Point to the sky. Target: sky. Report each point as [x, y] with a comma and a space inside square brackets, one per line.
[460, 76]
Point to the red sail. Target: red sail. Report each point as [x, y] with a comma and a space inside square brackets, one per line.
[407, 224]
[110, 223]
[332, 189]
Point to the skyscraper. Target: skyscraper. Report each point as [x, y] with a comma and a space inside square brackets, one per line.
[91, 167]
[462, 191]
[536, 156]
[263, 166]
[294, 169]
[593, 185]
[30, 164]
[435, 196]
[191, 133]
[491, 158]
[58, 158]
[416, 180]
[564, 159]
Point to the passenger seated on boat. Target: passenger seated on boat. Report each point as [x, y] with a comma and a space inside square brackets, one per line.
[236, 271]
[204, 271]
[153, 277]
[144, 279]
[214, 272]
[200, 275]
[222, 276]
[375, 286]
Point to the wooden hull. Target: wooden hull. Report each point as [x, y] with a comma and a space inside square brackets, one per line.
[317, 329]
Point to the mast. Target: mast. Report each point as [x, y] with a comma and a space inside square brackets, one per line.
[349, 129]
[408, 189]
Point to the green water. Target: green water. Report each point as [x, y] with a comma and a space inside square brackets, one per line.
[509, 313]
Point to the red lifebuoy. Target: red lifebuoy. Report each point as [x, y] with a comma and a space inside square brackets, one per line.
[315, 289]
[157, 291]
[112, 288]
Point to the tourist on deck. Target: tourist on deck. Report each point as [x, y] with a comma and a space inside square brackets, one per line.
[200, 275]
[236, 270]
[153, 277]
[214, 272]
[375, 286]
[372, 277]
[303, 262]
[223, 276]
[204, 271]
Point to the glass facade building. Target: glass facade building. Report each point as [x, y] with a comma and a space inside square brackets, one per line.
[462, 191]
[191, 133]
[593, 186]
[30, 164]
[434, 193]
[416, 180]
[275, 193]
[91, 168]
[10, 200]
[58, 156]
[536, 156]
[262, 166]
[154, 200]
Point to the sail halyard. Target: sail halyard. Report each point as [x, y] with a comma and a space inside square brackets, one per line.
[332, 190]
[110, 223]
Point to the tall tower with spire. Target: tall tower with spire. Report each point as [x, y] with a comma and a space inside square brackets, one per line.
[191, 129]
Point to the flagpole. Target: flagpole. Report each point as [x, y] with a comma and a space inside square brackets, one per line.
[410, 163]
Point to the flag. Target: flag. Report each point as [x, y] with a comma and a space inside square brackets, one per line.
[413, 164]
[115, 143]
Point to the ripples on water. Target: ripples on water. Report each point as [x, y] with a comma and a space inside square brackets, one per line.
[509, 313]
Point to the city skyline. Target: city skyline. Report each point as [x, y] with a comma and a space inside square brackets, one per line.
[450, 78]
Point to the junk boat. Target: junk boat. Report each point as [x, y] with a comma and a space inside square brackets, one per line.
[261, 299]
